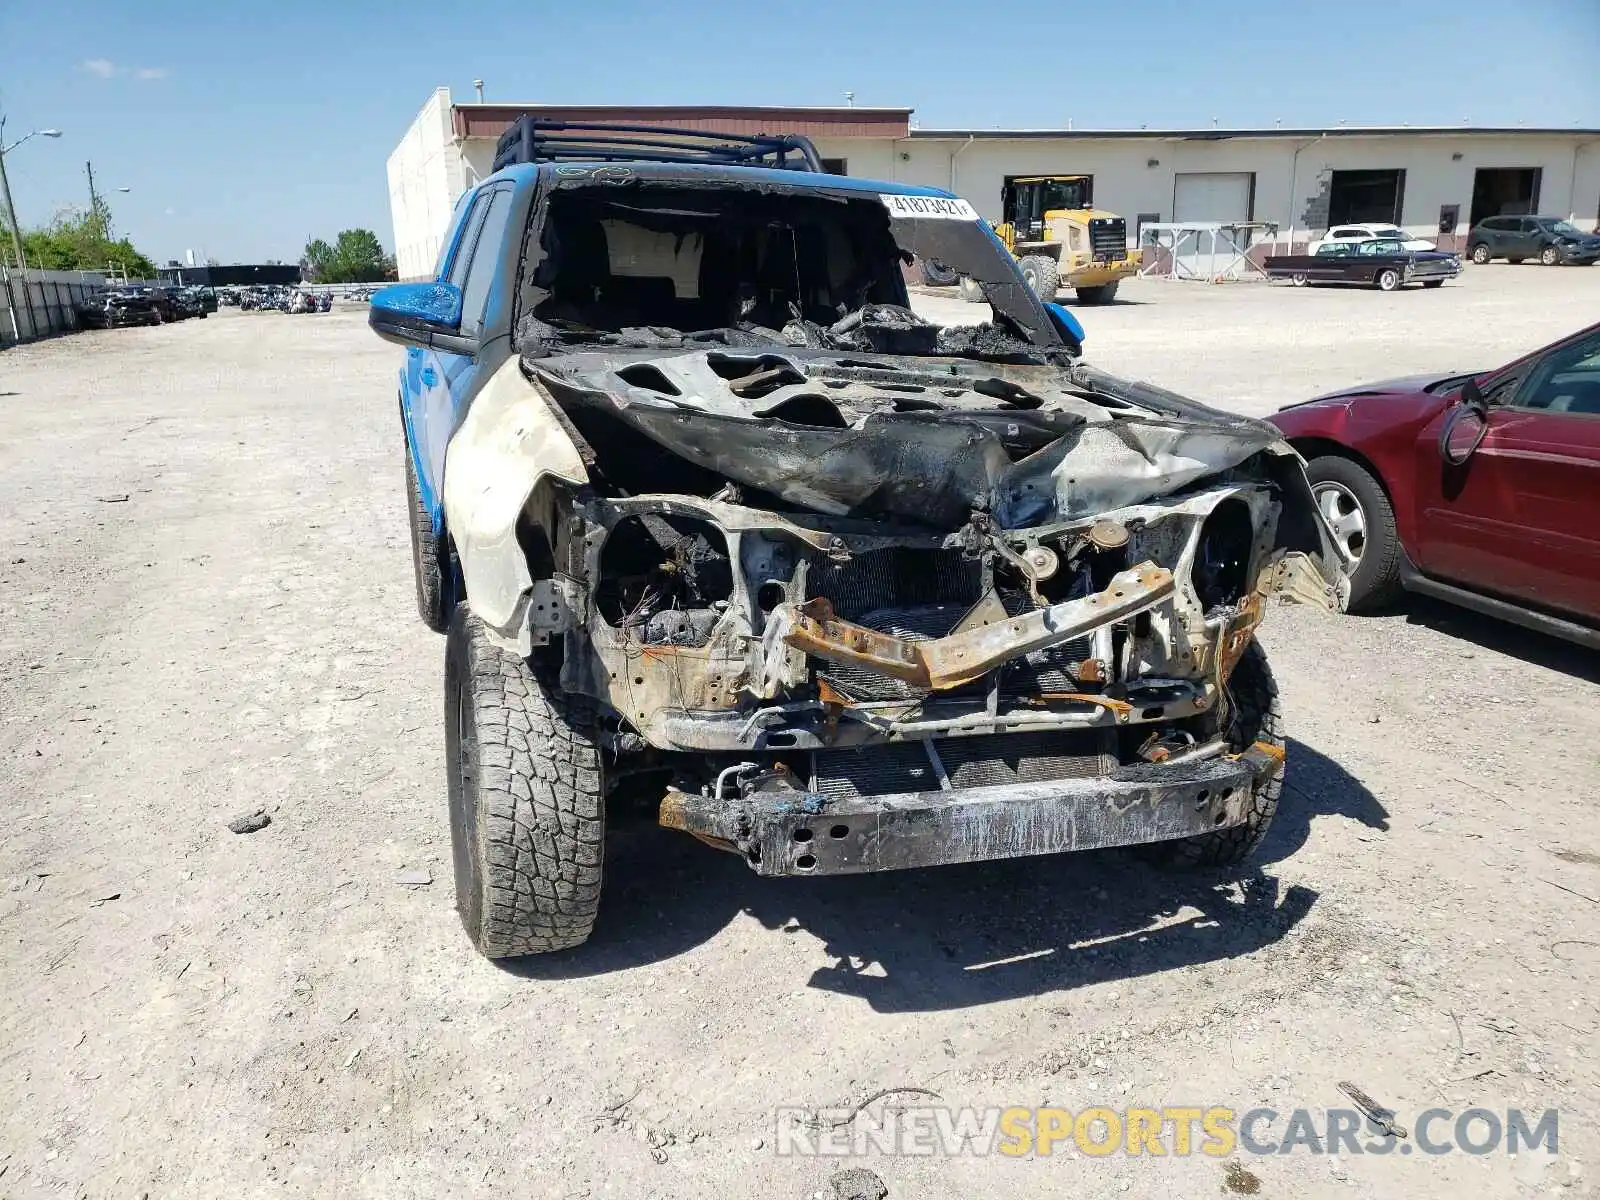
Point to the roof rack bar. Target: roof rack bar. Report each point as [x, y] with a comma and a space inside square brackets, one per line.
[532, 139]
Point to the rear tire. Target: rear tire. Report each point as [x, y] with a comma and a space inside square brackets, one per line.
[1347, 487]
[1550, 257]
[527, 799]
[1299, 279]
[1388, 279]
[936, 274]
[1256, 716]
[1104, 294]
[1480, 254]
[430, 559]
[1042, 275]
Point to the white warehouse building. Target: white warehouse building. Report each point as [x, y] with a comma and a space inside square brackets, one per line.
[1434, 182]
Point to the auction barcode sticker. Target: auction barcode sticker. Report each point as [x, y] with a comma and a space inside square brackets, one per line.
[927, 206]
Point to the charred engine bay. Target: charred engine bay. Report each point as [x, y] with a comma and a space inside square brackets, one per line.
[910, 439]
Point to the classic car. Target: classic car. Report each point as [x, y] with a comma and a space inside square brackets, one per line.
[1551, 240]
[1382, 263]
[1481, 489]
[722, 533]
[1367, 233]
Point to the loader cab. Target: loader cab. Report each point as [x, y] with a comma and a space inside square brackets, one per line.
[1026, 199]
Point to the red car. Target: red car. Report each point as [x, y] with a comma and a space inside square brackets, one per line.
[1481, 489]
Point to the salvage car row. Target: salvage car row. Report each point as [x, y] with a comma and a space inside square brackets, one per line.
[143, 306]
[720, 531]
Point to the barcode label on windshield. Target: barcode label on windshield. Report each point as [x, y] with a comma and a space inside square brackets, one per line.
[927, 206]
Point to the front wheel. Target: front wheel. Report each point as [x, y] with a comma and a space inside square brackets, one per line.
[1357, 510]
[1388, 279]
[1480, 254]
[527, 799]
[1042, 275]
[1255, 716]
[1550, 256]
[1104, 294]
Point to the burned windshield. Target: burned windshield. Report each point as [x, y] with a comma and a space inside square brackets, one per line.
[650, 262]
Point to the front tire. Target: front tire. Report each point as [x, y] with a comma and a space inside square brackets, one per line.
[1042, 275]
[1256, 716]
[1104, 294]
[527, 799]
[1550, 257]
[1355, 506]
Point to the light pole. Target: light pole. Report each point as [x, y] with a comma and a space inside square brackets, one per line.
[5, 184]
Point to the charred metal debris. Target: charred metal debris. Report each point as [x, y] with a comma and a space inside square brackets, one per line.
[819, 556]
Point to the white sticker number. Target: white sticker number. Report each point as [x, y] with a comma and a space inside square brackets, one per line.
[928, 206]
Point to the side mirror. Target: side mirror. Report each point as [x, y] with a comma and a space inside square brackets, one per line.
[420, 314]
[1067, 326]
[1464, 426]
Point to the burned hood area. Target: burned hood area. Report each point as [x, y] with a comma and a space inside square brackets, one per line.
[915, 440]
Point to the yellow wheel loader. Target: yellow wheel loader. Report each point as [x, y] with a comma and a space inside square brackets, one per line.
[1059, 238]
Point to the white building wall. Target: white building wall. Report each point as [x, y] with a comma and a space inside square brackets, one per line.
[425, 178]
[1132, 175]
[1138, 175]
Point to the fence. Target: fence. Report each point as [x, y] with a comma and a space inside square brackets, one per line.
[38, 303]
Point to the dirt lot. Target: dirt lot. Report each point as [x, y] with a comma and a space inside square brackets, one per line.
[207, 605]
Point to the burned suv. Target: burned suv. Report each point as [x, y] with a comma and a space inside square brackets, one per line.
[720, 529]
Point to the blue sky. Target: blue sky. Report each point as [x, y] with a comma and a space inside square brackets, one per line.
[243, 129]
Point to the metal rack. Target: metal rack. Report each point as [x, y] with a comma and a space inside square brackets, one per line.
[533, 140]
[1213, 251]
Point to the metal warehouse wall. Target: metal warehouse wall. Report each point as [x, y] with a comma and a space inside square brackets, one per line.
[425, 177]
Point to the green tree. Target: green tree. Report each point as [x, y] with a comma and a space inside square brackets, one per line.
[80, 240]
[356, 256]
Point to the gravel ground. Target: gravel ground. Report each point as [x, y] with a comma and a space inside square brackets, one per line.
[207, 608]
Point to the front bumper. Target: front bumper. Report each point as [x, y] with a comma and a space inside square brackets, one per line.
[786, 831]
[1098, 274]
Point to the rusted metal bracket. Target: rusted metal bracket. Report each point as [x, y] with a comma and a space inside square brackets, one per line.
[948, 662]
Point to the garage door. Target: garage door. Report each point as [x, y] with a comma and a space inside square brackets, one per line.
[1211, 196]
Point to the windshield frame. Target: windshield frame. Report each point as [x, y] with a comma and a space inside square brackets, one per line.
[957, 237]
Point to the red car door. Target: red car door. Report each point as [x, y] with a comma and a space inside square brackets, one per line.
[1521, 516]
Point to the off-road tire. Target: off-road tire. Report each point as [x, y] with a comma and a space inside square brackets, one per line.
[1480, 254]
[1550, 257]
[1376, 579]
[1042, 275]
[971, 290]
[1104, 294]
[527, 798]
[936, 274]
[1388, 280]
[1255, 716]
[430, 559]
